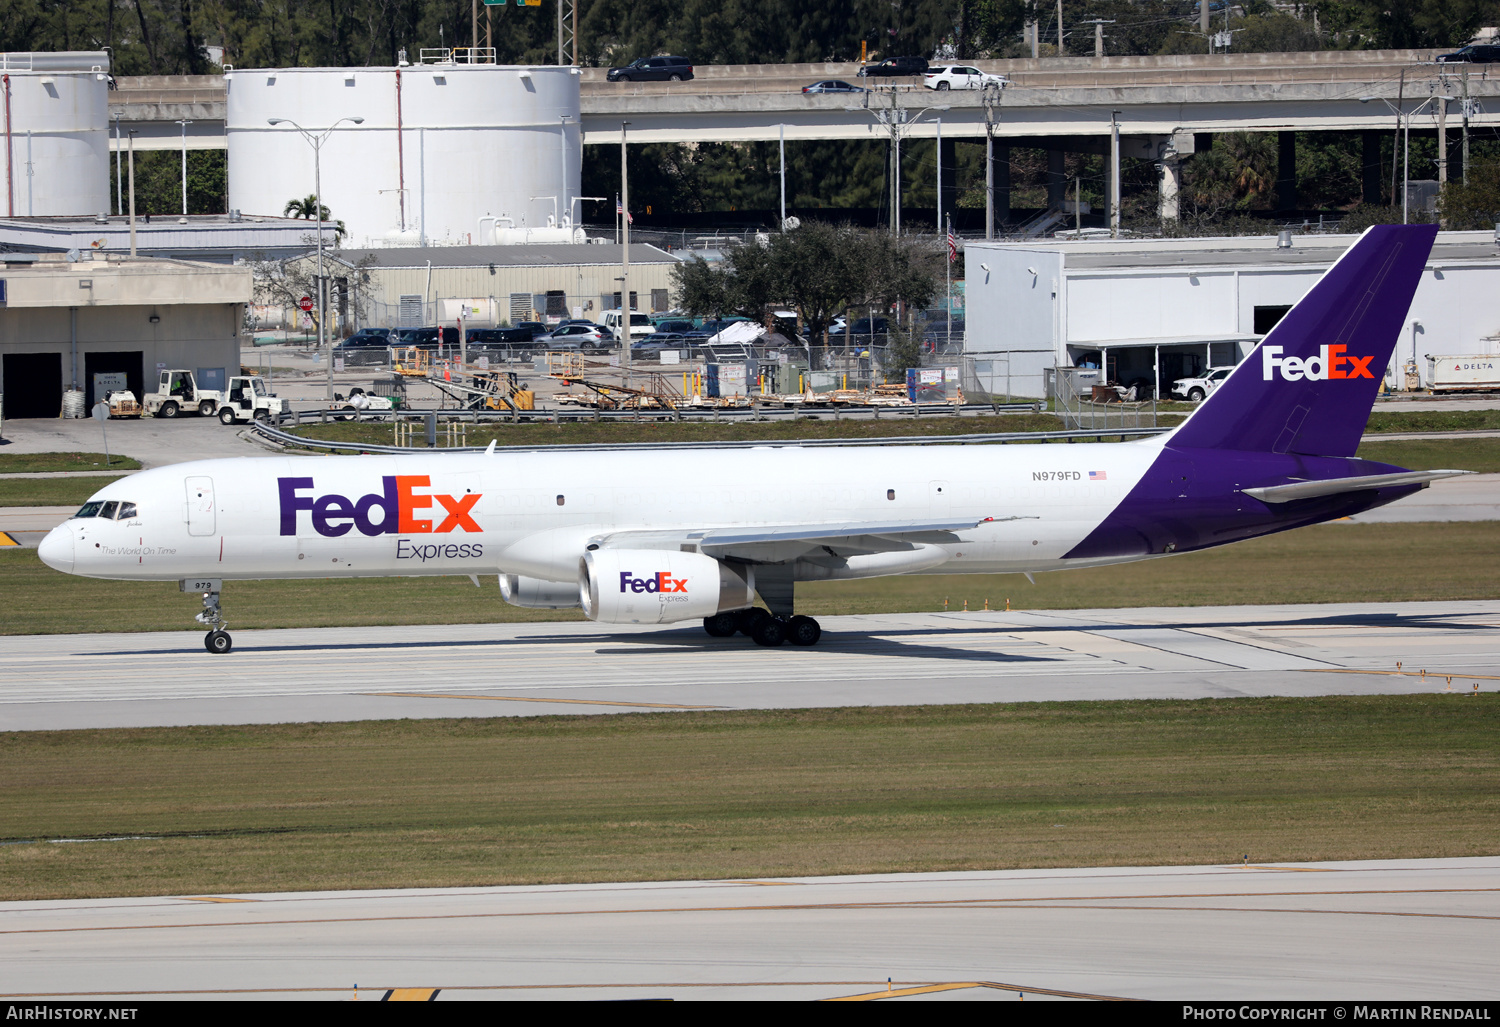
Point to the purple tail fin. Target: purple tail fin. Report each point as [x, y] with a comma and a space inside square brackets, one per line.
[1309, 386]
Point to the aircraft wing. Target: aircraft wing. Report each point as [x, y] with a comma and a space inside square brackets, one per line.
[1334, 486]
[780, 542]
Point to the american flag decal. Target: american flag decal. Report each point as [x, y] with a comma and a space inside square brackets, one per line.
[1098, 476]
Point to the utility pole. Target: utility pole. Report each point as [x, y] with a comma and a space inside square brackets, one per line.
[624, 252]
[1464, 79]
[1099, 24]
[132, 192]
[1060, 51]
[1114, 174]
[782, 130]
[989, 94]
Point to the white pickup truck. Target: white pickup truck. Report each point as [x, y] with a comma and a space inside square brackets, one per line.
[1196, 389]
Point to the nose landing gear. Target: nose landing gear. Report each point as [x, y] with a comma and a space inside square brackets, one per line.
[217, 640]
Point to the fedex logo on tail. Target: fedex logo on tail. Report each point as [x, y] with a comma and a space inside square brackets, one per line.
[661, 581]
[1331, 362]
[397, 509]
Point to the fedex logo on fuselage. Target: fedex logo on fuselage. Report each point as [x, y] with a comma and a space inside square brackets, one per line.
[661, 581]
[393, 510]
[1331, 362]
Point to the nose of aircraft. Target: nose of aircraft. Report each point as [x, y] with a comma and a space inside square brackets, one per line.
[56, 550]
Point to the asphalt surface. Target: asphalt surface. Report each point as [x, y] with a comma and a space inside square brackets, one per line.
[489, 670]
[1341, 933]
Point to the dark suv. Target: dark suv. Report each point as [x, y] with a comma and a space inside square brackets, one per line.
[1476, 54]
[895, 66]
[653, 69]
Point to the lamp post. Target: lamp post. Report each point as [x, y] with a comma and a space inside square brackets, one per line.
[1403, 120]
[316, 141]
[898, 121]
[184, 125]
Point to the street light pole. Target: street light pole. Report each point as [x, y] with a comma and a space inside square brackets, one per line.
[325, 341]
[184, 125]
[1403, 122]
[897, 122]
[624, 251]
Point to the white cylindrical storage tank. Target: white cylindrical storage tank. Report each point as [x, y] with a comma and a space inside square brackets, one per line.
[56, 125]
[475, 141]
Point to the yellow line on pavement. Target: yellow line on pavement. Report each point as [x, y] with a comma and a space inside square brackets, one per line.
[870, 996]
[211, 898]
[531, 698]
[6, 540]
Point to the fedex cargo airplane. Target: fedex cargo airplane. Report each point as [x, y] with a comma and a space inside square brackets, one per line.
[661, 536]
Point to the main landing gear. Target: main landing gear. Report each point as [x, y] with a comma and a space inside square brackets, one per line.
[764, 628]
[217, 640]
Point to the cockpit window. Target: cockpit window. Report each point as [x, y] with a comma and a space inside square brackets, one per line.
[90, 509]
[110, 509]
[127, 511]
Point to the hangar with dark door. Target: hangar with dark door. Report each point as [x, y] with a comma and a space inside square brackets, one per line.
[33, 385]
[131, 365]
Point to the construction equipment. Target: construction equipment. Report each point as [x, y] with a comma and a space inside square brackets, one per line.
[611, 387]
[474, 387]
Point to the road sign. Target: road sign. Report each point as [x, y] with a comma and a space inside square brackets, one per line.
[305, 303]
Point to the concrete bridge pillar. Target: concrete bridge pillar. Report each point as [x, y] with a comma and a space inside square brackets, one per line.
[1002, 184]
[1171, 183]
[1286, 171]
[1373, 168]
[1057, 179]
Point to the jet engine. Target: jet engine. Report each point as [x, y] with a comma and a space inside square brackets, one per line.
[537, 594]
[659, 586]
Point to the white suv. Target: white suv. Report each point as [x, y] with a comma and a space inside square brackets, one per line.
[959, 76]
[1198, 388]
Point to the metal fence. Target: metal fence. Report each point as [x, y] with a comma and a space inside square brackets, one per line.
[1084, 404]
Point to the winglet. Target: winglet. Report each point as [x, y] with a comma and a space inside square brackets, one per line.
[490, 451]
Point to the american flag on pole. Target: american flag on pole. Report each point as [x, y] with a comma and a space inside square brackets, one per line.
[952, 243]
[620, 209]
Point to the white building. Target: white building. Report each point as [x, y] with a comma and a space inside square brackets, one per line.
[442, 153]
[1154, 310]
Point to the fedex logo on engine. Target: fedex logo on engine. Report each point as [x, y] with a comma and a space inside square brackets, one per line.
[661, 581]
[1331, 362]
[393, 510]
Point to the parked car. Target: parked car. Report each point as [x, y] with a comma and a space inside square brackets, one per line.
[653, 69]
[640, 324]
[534, 327]
[959, 76]
[675, 325]
[833, 85]
[366, 338]
[588, 339]
[1478, 53]
[428, 338]
[894, 67]
[1196, 389]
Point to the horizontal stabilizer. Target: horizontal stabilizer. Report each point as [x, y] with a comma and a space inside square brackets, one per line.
[1335, 486]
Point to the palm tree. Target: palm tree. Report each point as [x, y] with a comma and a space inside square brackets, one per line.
[308, 208]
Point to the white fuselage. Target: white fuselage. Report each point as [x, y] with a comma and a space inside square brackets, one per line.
[532, 513]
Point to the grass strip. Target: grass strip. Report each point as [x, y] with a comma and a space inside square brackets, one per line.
[438, 803]
[33, 463]
[1433, 420]
[1481, 455]
[49, 491]
[1328, 563]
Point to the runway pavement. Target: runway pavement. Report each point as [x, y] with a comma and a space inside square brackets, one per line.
[1401, 930]
[332, 674]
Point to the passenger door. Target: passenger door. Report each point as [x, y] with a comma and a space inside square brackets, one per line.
[200, 506]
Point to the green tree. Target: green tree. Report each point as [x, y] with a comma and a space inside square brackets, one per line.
[1474, 203]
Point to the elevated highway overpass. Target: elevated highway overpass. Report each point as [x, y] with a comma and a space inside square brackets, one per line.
[1318, 91]
[1059, 104]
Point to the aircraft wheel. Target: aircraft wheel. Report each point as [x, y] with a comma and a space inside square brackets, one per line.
[721, 625]
[226, 416]
[803, 631]
[747, 622]
[771, 632]
[218, 642]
